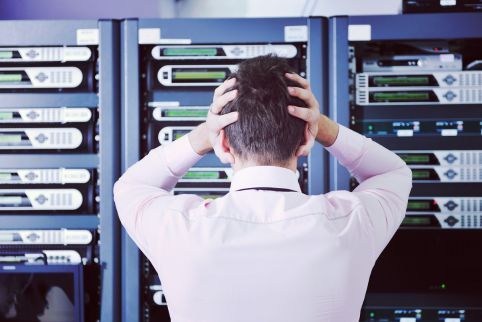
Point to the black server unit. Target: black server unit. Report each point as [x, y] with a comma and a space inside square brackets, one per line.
[58, 154]
[414, 85]
[168, 93]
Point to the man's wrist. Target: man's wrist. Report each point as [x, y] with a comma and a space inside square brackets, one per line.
[199, 139]
[327, 131]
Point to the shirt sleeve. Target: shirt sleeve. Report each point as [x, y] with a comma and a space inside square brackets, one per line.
[385, 184]
[142, 194]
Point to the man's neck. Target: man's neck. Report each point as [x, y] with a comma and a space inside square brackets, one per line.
[242, 164]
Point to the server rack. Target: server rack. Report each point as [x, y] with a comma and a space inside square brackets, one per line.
[379, 67]
[60, 79]
[151, 95]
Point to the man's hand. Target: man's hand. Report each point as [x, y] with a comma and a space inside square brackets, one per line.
[310, 114]
[318, 126]
[216, 123]
[207, 136]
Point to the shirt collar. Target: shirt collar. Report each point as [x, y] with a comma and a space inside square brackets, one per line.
[265, 177]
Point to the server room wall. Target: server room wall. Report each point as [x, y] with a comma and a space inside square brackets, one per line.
[59, 9]
[127, 102]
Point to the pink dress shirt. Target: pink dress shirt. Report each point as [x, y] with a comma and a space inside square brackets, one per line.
[265, 256]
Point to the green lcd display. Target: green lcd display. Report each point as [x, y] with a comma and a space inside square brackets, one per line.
[401, 96]
[400, 80]
[6, 115]
[420, 174]
[10, 138]
[190, 52]
[179, 134]
[418, 205]
[10, 78]
[6, 54]
[416, 221]
[201, 75]
[9, 200]
[185, 113]
[418, 158]
[202, 175]
[5, 176]
[209, 196]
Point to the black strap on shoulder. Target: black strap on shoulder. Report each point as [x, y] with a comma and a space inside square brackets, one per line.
[268, 188]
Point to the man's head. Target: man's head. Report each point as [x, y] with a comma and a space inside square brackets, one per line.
[265, 133]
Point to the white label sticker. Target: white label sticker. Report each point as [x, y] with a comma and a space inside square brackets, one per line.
[87, 36]
[447, 58]
[448, 2]
[359, 32]
[296, 33]
[408, 320]
[174, 41]
[153, 36]
[405, 133]
[149, 35]
[449, 132]
[165, 104]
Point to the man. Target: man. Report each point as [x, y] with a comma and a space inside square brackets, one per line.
[265, 252]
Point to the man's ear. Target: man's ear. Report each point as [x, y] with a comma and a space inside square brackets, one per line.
[225, 153]
[306, 144]
[306, 135]
[224, 141]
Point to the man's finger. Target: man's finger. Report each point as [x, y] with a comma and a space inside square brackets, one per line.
[300, 80]
[301, 112]
[226, 119]
[221, 101]
[221, 89]
[304, 95]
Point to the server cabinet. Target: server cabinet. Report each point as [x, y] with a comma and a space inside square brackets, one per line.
[59, 124]
[413, 83]
[170, 69]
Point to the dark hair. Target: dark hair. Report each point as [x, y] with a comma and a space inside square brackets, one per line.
[265, 132]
